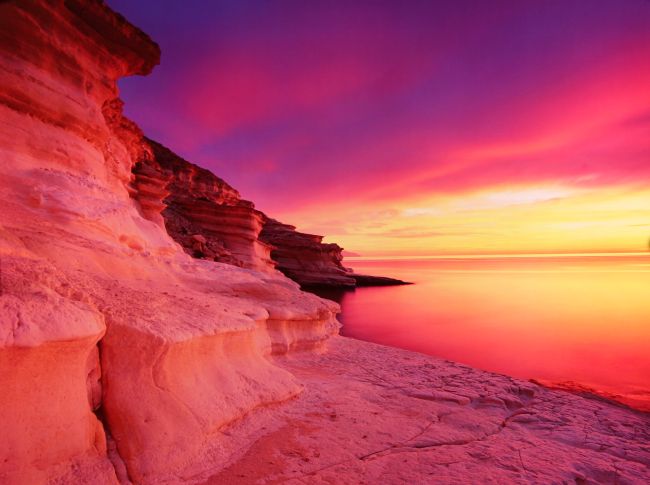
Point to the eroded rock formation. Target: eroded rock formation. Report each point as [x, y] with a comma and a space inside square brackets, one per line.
[125, 360]
[102, 314]
[204, 214]
[305, 258]
[210, 220]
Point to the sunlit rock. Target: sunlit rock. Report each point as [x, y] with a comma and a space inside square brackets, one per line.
[124, 359]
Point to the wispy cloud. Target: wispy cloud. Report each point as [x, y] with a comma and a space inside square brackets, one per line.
[364, 120]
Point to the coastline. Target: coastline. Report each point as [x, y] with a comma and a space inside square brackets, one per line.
[192, 359]
[367, 315]
[370, 413]
[629, 400]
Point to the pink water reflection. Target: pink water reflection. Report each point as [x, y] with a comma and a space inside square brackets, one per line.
[557, 319]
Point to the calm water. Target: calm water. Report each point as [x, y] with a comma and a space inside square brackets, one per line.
[580, 319]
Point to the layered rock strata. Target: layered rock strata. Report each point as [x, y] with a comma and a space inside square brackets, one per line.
[210, 220]
[125, 360]
[121, 357]
[305, 258]
[204, 214]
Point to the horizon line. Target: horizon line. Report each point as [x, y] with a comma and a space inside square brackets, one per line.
[499, 255]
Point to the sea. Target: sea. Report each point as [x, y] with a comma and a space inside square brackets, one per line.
[579, 322]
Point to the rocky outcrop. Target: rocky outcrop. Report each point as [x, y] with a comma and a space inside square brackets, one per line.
[373, 414]
[304, 257]
[121, 358]
[372, 280]
[61, 176]
[50, 384]
[125, 360]
[204, 214]
[210, 220]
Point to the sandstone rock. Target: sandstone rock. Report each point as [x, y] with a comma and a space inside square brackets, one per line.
[208, 218]
[304, 258]
[199, 239]
[193, 203]
[123, 359]
[374, 414]
[47, 345]
[307, 260]
[101, 310]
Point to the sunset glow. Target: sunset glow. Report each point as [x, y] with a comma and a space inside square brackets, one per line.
[583, 331]
[324, 241]
[457, 127]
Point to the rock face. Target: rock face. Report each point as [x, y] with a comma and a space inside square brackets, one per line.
[125, 360]
[373, 414]
[121, 357]
[204, 214]
[210, 220]
[307, 260]
[304, 258]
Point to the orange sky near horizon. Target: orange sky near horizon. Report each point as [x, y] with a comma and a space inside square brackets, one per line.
[415, 128]
[591, 209]
[525, 219]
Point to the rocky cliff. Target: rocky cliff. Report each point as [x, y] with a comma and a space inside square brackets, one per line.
[125, 360]
[210, 220]
[305, 258]
[121, 357]
[204, 214]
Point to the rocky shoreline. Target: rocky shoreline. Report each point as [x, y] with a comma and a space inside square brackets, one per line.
[376, 414]
[146, 336]
[210, 220]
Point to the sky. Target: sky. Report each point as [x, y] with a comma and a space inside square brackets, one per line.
[411, 128]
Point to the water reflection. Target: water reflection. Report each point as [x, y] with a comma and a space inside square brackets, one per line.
[580, 319]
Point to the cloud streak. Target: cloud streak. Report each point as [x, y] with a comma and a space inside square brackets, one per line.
[333, 115]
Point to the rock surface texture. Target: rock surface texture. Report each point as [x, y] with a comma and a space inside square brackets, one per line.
[305, 258]
[125, 360]
[204, 214]
[373, 414]
[210, 220]
[121, 358]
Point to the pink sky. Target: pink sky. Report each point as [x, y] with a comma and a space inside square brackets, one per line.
[414, 127]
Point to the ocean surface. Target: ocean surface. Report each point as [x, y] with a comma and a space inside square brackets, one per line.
[568, 320]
